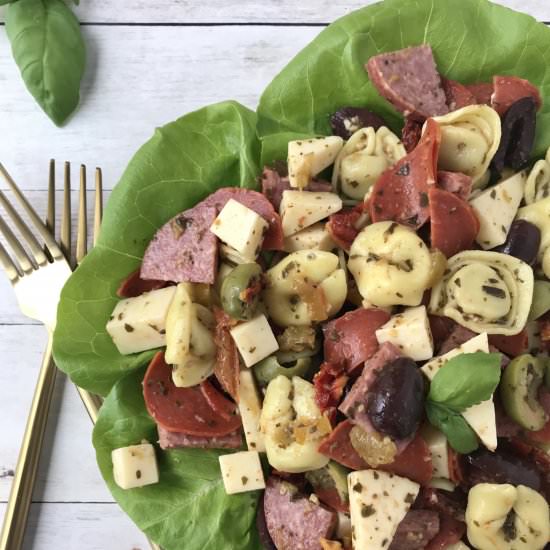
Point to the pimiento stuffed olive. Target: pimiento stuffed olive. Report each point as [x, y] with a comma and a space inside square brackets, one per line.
[240, 291]
[269, 368]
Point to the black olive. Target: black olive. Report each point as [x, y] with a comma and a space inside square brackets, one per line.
[501, 466]
[346, 121]
[522, 242]
[396, 399]
[518, 135]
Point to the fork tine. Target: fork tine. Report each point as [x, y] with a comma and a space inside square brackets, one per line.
[25, 263]
[9, 265]
[98, 210]
[50, 220]
[65, 240]
[35, 219]
[82, 233]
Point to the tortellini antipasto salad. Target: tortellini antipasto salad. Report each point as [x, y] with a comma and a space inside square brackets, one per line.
[367, 336]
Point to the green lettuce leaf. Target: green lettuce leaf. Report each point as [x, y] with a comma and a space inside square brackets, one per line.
[184, 162]
[188, 508]
[472, 40]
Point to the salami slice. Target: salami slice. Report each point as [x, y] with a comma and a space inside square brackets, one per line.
[227, 366]
[350, 340]
[416, 530]
[342, 225]
[409, 80]
[482, 92]
[411, 133]
[134, 285]
[457, 94]
[177, 440]
[455, 182]
[508, 89]
[453, 223]
[293, 520]
[401, 192]
[185, 410]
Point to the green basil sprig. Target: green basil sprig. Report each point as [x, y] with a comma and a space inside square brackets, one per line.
[48, 47]
[464, 381]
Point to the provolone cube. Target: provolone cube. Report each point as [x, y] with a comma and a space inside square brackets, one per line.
[481, 417]
[241, 228]
[308, 157]
[242, 472]
[250, 408]
[439, 450]
[300, 209]
[135, 466]
[314, 237]
[139, 323]
[496, 208]
[410, 332]
[254, 339]
[378, 501]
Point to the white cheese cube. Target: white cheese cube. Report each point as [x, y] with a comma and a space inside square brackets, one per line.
[308, 157]
[378, 501]
[254, 339]
[242, 472]
[437, 443]
[241, 228]
[314, 237]
[250, 409]
[139, 323]
[410, 332]
[496, 209]
[135, 466]
[481, 417]
[300, 209]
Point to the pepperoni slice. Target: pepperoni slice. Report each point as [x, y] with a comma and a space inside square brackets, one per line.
[338, 447]
[134, 285]
[401, 193]
[508, 89]
[455, 182]
[451, 531]
[342, 225]
[457, 94]
[227, 365]
[185, 410]
[350, 340]
[482, 92]
[511, 345]
[454, 225]
[410, 134]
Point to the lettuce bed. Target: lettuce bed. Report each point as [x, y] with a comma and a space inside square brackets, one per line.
[226, 144]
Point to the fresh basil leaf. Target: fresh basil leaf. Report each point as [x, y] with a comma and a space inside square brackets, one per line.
[466, 380]
[183, 162]
[459, 434]
[48, 47]
[484, 39]
[188, 508]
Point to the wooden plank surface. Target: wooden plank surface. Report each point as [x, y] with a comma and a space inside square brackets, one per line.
[149, 62]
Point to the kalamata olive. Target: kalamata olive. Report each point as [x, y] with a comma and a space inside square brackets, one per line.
[346, 121]
[518, 135]
[396, 399]
[501, 466]
[240, 291]
[522, 242]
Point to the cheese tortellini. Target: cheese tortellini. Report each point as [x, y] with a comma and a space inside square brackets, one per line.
[304, 287]
[392, 265]
[469, 139]
[367, 154]
[485, 292]
[504, 517]
[538, 181]
[538, 213]
[190, 346]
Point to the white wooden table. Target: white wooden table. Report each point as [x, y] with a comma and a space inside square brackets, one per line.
[148, 63]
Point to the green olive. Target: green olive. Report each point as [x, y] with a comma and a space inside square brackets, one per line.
[519, 388]
[541, 300]
[236, 301]
[270, 368]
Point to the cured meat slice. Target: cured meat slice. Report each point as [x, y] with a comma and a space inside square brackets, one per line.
[227, 367]
[401, 193]
[350, 340]
[455, 182]
[338, 447]
[409, 80]
[411, 133]
[511, 345]
[342, 225]
[451, 531]
[184, 249]
[440, 327]
[416, 530]
[457, 94]
[186, 410]
[134, 285]
[293, 520]
[508, 89]
[452, 504]
[482, 92]
[453, 223]
[178, 440]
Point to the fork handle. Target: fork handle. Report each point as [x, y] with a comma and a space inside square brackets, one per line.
[17, 510]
